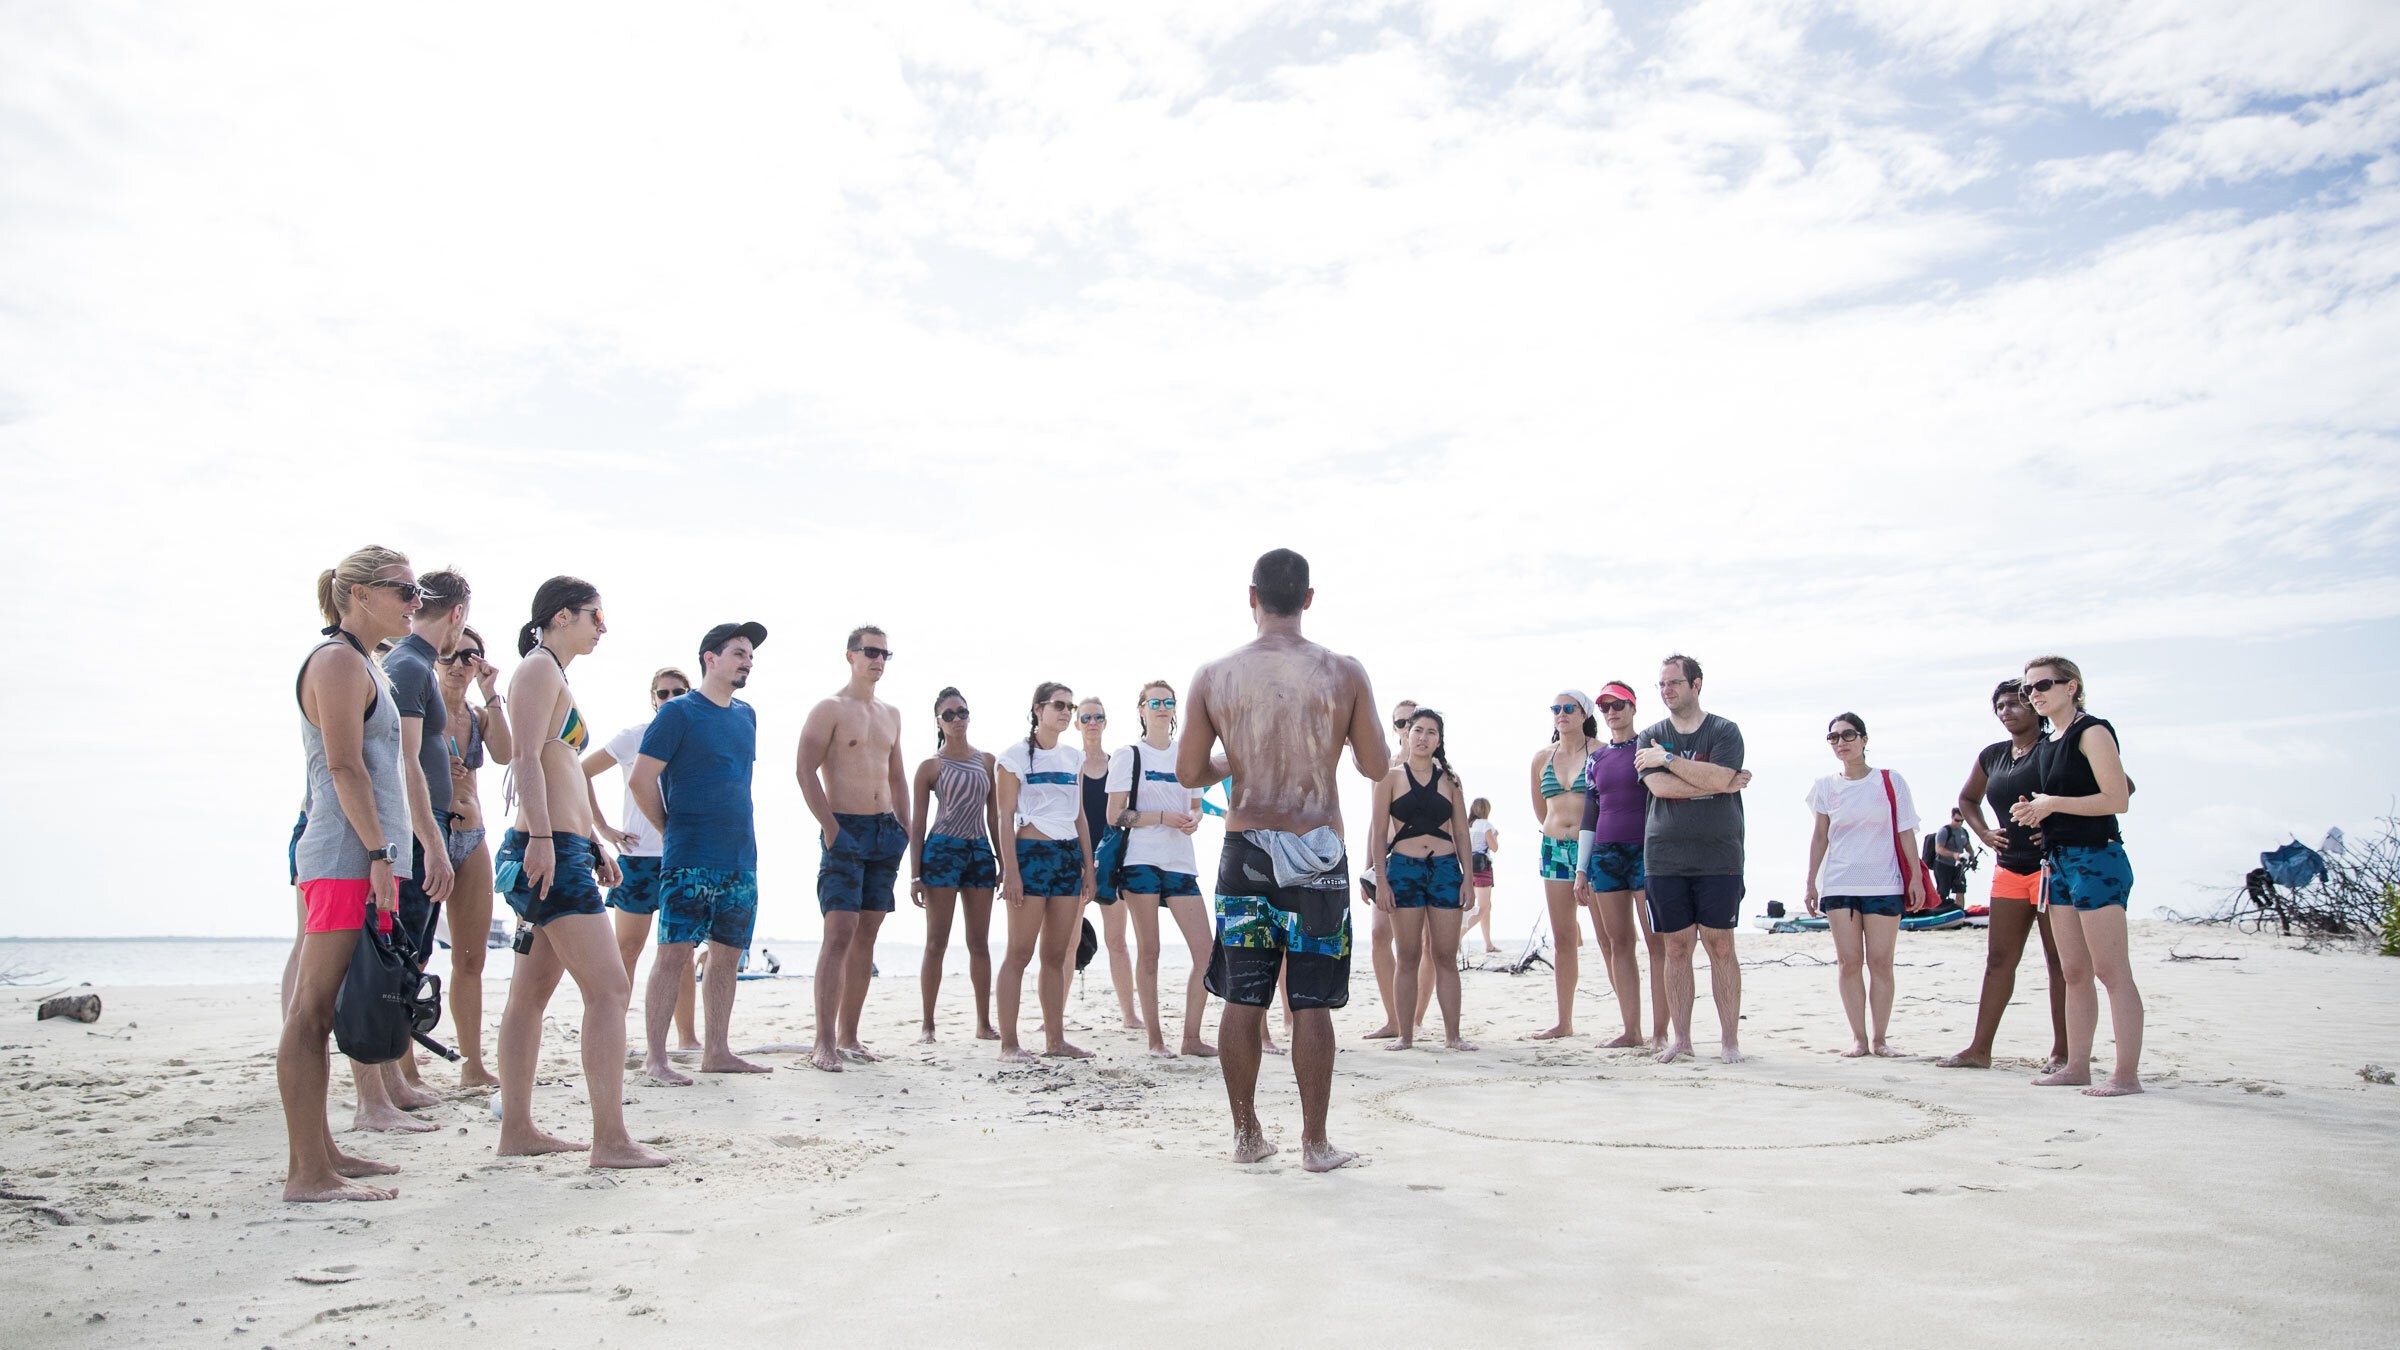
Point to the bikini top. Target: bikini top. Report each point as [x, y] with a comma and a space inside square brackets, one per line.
[1550, 787]
[572, 731]
[472, 755]
[1423, 812]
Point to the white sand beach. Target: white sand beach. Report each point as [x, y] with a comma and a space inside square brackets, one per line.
[1522, 1194]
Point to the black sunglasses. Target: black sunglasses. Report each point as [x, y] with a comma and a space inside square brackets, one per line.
[1610, 705]
[1058, 705]
[664, 694]
[408, 590]
[955, 715]
[874, 653]
[467, 658]
[2042, 686]
[1842, 737]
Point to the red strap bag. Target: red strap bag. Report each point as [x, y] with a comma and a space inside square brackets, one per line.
[1909, 866]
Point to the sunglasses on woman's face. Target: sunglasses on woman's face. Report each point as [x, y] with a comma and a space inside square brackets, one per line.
[1059, 705]
[1160, 705]
[662, 695]
[1613, 705]
[955, 715]
[1562, 709]
[467, 658]
[409, 591]
[1840, 737]
[2042, 686]
[1091, 719]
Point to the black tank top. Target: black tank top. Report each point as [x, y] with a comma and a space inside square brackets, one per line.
[2065, 772]
[1423, 812]
[2007, 781]
[1095, 806]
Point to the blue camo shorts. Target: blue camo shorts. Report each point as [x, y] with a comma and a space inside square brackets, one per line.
[637, 893]
[1614, 867]
[1417, 883]
[956, 864]
[708, 904]
[1050, 867]
[2083, 876]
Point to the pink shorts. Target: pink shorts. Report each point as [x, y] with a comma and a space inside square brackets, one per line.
[335, 904]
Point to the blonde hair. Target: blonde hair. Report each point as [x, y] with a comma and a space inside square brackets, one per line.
[669, 670]
[335, 583]
[2067, 670]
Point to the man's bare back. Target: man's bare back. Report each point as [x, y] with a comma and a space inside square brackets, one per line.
[1284, 707]
[854, 740]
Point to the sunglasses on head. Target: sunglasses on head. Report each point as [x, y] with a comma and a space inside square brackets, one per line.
[874, 653]
[409, 590]
[955, 715]
[465, 658]
[664, 694]
[2042, 686]
[1842, 737]
[1610, 705]
[1092, 719]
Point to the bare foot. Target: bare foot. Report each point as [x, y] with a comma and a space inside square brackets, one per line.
[666, 1075]
[1404, 1043]
[413, 1097]
[1019, 1055]
[1676, 1051]
[687, 1047]
[1272, 1048]
[1966, 1059]
[826, 1058]
[1136, 1024]
[351, 1166]
[299, 1192]
[1559, 1032]
[2057, 1061]
[1381, 1033]
[986, 1033]
[1730, 1053]
[1066, 1050]
[1631, 1040]
[1200, 1049]
[531, 1142]
[1253, 1149]
[1324, 1157]
[859, 1054]
[392, 1120]
[2062, 1077]
[926, 1038]
[629, 1154]
[1857, 1048]
[2113, 1088]
[1884, 1050]
[1159, 1050]
[472, 1074]
[733, 1063]
[1455, 1043]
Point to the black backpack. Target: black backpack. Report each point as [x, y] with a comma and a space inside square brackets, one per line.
[1925, 853]
[385, 1001]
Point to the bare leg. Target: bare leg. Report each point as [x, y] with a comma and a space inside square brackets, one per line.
[291, 963]
[1024, 940]
[2104, 938]
[2083, 1001]
[1062, 924]
[1483, 917]
[667, 970]
[1882, 935]
[1429, 976]
[1379, 933]
[376, 1108]
[529, 988]
[978, 906]
[2058, 993]
[470, 930]
[1566, 936]
[1678, 984]
[1199, 938]
[940, 905]
[724, 981]
[1656, 946]
[583, 944]
[685, 1006]
[833, 960]
[633, 933]
[1725, 982]
[1238, 1033]
[1408, 933]
[1141, 911]
[1312, 1065]
[302, 1068]
[2004, 947]
[1850, 949]
[1120, 961]
[1442, 933]
[1620, 937]
[856, 977]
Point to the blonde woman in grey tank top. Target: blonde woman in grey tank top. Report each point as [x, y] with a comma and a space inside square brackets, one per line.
[951, 864]
[347, 857]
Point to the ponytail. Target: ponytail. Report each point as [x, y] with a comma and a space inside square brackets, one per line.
[335, 583]
[553, 595]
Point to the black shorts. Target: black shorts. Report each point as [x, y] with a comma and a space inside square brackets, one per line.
[1264, 930]
[1676, 903]
[418, 914]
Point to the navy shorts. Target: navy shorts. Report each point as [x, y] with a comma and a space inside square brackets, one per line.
[292, 854]
[1676, 903]
[2086, 876]
[418, 915]
[1881, 906]
[707, 904]
[1050, 867]
[1301, 932]
[574, 889]
[1144, 879]
[638, 892]
[956, 864]
[1614, 867]
[1421, 882]
[857, 873]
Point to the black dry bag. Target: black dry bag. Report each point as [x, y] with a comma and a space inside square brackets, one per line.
[371, 1010]
[1088, 947]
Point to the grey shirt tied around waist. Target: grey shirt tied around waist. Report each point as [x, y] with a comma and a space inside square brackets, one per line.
[329, 848]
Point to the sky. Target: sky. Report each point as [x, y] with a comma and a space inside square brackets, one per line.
[1861, 350]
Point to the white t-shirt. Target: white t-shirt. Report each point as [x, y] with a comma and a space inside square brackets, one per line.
[1479, 836]
[1860, 857]
[624, 747]
[1160, 846]
[1050, 787]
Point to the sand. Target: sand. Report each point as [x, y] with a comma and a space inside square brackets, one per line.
[1525, 1194]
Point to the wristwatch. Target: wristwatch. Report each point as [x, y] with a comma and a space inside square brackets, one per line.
[389, 854]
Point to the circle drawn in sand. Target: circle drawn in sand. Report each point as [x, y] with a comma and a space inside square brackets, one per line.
[1728, 1114]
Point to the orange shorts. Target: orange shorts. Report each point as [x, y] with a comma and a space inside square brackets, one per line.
[335, 904]
[2025, 886]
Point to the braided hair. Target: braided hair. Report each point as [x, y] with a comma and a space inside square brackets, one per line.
[941, 738]
[1441, 746]
[1033, 716]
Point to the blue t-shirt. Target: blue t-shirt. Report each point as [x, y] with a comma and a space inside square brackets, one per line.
[708, 752]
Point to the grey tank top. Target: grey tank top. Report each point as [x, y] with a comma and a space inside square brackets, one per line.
[329, 848]
[961, 787]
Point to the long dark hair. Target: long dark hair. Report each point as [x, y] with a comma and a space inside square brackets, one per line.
[949, 691]
[1441, 746]
[555, 594]
[1033, 716]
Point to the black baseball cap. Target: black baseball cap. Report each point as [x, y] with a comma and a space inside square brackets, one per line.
[726, 632]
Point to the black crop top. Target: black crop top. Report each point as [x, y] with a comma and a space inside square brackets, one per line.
[2065, 772]
[1423, 812]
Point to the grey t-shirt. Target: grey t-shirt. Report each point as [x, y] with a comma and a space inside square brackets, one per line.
[418, 693]
[1697, 836]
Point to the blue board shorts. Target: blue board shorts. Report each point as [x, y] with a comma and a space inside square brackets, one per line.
[956, 864]
[1264, 931]
[638, 892]
[1881, 906]
[1144, 879]
[1050, 867]
[573, 887]
[1614, 867]
[708, 904]
[2088, 876]
[1419, 883]
[858, 871]
[1558, 859]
